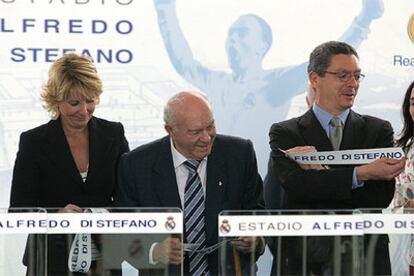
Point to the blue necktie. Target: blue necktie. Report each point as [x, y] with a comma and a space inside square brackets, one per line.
[194, 219]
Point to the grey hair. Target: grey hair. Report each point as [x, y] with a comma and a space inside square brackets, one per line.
[170, 110]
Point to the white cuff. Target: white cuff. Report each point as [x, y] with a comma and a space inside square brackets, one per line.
[151, 259]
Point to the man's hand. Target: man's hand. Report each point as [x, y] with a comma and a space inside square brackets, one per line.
[245, 244]
[71, 208]
[306, 149]
[168, 251]
[409, 204]
[380, 169]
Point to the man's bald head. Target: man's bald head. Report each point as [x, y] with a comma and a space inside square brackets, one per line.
[189, 121]
[182, 103]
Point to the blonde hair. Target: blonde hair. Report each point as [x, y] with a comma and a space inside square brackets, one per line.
[68, 73]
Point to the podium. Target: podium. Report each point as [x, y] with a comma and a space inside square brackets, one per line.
[317, 242]
[338, 242]
[103, 241]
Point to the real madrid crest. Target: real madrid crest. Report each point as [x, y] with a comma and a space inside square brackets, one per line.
[170, 223]
[225, 226]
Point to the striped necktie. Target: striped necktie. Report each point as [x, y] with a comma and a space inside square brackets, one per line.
[194, 219]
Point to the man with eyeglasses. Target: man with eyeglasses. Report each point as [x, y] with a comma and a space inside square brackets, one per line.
[335, 75]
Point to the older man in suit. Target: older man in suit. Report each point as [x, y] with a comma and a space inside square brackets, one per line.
[335, 74]
[192, 162]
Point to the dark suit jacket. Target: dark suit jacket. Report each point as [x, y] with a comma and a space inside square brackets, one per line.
[330, 189]
[274, 194]
[274, 197]
[147, 179]
[45, 173]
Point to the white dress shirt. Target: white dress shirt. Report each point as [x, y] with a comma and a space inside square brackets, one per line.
[181, 172]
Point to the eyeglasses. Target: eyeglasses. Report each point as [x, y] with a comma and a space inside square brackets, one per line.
[345, 76]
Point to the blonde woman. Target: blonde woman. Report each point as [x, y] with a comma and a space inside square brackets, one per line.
[69, 162]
